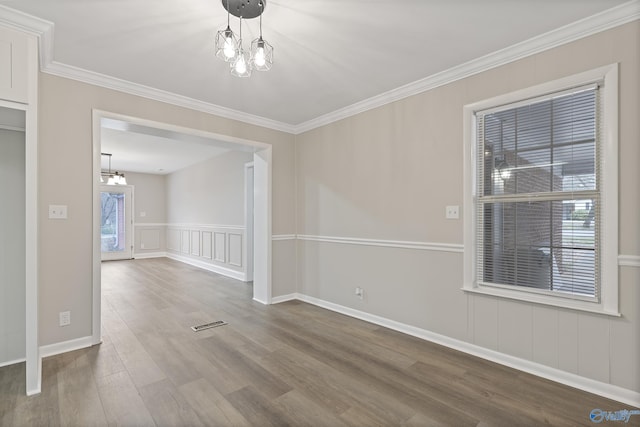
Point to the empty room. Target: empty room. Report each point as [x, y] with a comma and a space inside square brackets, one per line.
[271, 212]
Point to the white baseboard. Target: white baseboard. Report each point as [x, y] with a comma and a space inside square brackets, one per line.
[239, 275]
[284, 298]
[12, 362]
[146, 255]
[609, 391]
[65, 346]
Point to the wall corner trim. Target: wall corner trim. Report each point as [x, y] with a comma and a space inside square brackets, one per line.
[609, 391]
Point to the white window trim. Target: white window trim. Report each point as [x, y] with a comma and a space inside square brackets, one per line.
[608, 303]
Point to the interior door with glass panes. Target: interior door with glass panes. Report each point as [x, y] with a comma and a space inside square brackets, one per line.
[116, 204]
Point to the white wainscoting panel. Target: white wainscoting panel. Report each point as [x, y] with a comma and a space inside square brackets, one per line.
[220, 247]
[150, 239]
[195, 242]
[235, 249]
[207, 244]
[173, 239]
[185, 241]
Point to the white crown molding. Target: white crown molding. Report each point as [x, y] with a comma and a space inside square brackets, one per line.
[41, 28]
[425, 246]
[109, 82]
[605, 20]
[24, 22]
[607, 390]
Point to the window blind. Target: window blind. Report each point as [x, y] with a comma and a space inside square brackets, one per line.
[538, 194]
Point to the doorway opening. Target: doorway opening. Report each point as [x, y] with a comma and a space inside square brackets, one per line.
[261, 200]
[12, 237]
[116, 210]
[19, 123]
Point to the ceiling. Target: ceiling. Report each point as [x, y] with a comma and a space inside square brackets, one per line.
[144, 149]
[329, 54]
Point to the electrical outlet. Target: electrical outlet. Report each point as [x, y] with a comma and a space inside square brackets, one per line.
[452, 212]
[360, 292]
[65, 318]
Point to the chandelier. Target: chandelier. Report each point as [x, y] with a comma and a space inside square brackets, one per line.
[229, 46]
[115, 178]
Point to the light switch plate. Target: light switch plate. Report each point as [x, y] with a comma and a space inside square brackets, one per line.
[453, 212]
[57, 211]
[65, 318]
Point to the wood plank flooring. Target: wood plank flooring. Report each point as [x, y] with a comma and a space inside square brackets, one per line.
[290, 364]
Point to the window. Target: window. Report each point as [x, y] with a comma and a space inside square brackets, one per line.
[539, 195]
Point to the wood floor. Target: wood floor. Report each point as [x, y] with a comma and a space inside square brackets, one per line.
[290, 364]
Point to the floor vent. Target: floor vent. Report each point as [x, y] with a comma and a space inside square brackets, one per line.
[208, 325]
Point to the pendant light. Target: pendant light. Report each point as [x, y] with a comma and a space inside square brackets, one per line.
[226, 42]
[229, 47]
[115, 178]
[240, 66]
[261, 51]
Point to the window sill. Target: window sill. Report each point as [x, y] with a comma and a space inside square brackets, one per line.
[523, 296]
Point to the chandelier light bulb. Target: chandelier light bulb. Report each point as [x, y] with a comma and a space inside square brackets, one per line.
[241, 65]
[259, 59]
[229, 45]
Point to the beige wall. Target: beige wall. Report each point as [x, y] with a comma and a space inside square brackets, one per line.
[388, 173]
[209, 192]
[149, 197]
[12, 246]
[65, 156]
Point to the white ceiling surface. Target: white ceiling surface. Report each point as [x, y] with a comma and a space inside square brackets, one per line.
[136, 148]
[329, 54]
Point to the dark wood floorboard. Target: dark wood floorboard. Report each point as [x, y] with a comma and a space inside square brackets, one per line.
[290, 364]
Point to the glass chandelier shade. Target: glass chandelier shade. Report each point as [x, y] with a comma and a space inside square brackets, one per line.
[261, 55]
[227, 45]
[241, 67]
